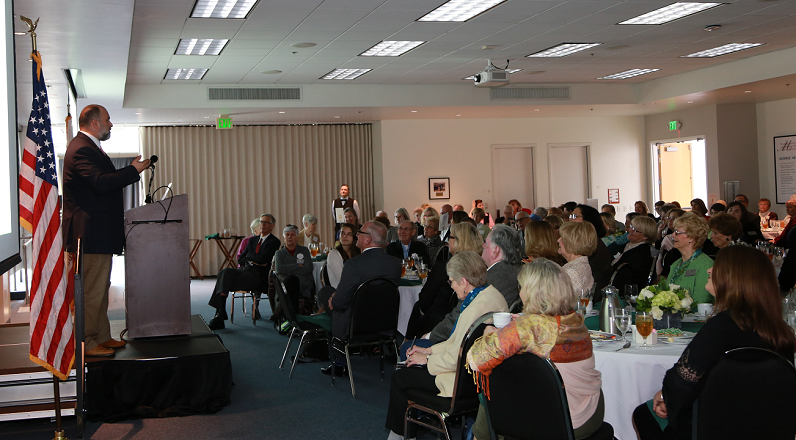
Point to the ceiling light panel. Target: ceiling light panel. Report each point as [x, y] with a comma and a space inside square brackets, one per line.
[460, 10]
[222, 8]
[563, 50]
[671, 13]
[391, 48]
[629, 73]
[345, 73]
[722, 50]
[185, 73]
[200, 46]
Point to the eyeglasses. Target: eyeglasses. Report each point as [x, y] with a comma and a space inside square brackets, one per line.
[632, 229]
[450, 282]
[574, 216]
[362, 233]
[452, 237]
[679, 232]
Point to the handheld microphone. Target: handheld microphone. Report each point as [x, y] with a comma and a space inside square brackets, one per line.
[152, 160]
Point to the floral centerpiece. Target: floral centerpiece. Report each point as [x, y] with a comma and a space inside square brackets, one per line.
[666, 302]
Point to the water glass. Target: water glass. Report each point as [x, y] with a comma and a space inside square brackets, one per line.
[622, 320]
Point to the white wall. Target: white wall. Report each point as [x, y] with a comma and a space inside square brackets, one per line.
[776, 118]
[414, 150]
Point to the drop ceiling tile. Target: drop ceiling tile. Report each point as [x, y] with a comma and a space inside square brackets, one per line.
[208, 33]
[410, 5]
[202, 24]
[332, 19]
[374, 37]
[192, 61]
[385, 28]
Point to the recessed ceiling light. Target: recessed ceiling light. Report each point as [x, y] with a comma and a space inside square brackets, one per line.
[629, 73]
[391, 48]
[460, 10]
[185, 73]
[337, 117]
[690, 102]
[200, 46]
[536, 109]
[722, 50]
[563, 50]
[458, 115]
[207, 117]
[670, 13]
[345, 73]
[472, 77]
[222, 8]
[281, 112]
[712, 27]
[138, 113]
[271, 72]
[414, 111]
[303, 45]
[747, 91]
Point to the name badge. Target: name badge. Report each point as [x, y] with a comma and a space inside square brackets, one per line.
[690, 272]
[300, 258]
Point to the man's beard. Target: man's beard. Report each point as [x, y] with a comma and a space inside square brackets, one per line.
[104, 136]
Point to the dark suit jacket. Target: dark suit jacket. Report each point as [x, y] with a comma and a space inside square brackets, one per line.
[369, 264]
[266, 254]
[93, 204]
[415, 247]
[637, 271]
[600, 263]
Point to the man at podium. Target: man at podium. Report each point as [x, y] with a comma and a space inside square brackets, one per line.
[255, 265]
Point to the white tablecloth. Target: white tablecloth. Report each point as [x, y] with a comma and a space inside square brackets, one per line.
[409, 296]
[630, 378]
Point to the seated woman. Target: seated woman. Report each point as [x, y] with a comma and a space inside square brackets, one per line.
[467, 276]
[540, 242]
[725, 231]
[308, 234]
[641, 208]
[748, 313]
[344, 251]
[716, 208]
[600, 259]
[698, 205]
[431, 238]
[350, 218]
[577, 242]
[548, 328]
[255, 227]
[555, 221]
[296, 260]
[637, 255]
[751, 226]
[668, 253]
[436, 298]
[690, 270]
[765, 213]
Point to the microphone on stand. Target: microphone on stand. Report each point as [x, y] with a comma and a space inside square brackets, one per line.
[152, 161]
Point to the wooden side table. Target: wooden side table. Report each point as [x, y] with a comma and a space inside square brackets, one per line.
[230, 251]
[192, 255]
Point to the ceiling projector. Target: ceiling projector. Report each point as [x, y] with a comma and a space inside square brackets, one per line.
[491, 77]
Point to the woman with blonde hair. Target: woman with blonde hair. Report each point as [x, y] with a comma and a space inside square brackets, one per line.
[578, 241]
[691, 270]
[548, 328]
[540, 242]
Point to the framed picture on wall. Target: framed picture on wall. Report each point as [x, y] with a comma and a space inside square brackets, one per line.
[439, 188]
[785, 167]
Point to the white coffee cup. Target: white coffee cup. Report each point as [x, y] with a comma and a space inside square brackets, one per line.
[705, 309]
[501, 320]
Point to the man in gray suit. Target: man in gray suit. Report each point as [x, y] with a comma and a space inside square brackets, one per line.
[372, 262]
[503, 257]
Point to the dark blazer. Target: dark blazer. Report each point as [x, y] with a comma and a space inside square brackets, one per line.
[600, 263]
[266, 254]
[436, 300]
[369, 264]
[752, 232]
[637, 271]
[415, 247]
[93, 203]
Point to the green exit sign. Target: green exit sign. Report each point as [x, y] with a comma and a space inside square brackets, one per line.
[674, 125]
[224, 122]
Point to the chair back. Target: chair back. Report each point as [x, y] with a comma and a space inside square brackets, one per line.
[463, 384]
[374, 309]
[287, 292]
[749, 393]
[325, 276]
[526, 390]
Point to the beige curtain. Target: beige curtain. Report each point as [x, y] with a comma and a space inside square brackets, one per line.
[233, 176]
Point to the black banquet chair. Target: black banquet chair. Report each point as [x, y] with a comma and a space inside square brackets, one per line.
[748, 394]
[286, 292]
[465, 395]
[528, 402]
[374, 321]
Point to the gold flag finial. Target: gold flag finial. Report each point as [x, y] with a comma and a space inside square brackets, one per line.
[31, 29]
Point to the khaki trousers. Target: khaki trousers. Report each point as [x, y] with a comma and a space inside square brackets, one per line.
[96, 282]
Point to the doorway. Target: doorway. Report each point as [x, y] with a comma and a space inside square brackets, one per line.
[569, 173]
[680, 170]
[512, 176]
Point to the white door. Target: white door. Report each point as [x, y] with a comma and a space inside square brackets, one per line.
[512, 176]
[569, 173]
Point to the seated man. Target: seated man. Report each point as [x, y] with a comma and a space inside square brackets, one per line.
[405, 246]
[294, 259]
[252, 275]
[372, 262]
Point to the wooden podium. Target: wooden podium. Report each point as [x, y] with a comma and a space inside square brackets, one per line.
[157, 273]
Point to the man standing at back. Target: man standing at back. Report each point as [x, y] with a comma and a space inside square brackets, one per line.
[94, 210]
[340, 204]
[373, 262]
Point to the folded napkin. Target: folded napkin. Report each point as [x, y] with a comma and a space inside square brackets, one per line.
[211, 236]
[320, 257]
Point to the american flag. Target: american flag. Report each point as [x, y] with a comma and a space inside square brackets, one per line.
[52, 343]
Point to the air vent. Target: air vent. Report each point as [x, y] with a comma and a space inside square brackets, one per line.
[529, 93]
[249, 94]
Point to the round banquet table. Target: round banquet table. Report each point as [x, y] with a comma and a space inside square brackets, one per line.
[631, 377]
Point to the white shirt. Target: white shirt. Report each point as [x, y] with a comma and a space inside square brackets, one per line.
[93, 139]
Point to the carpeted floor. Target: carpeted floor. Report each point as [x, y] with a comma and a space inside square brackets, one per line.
[265, 403]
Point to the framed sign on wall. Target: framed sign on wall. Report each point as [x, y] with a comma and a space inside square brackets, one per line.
[439, 188]
[785, 166]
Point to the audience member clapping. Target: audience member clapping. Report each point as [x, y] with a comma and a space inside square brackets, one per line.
[548, 328]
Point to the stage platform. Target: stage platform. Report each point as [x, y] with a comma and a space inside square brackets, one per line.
[150, 377]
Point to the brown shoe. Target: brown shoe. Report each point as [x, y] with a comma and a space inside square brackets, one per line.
[113, 343]
[100, 351]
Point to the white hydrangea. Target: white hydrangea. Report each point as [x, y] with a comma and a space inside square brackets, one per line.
[646, 293]
[673, 287]
[686, 302]
[657, 313]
